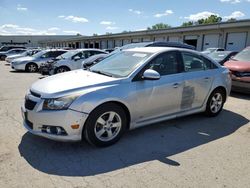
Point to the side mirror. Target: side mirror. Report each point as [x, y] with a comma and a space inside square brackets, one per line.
[150, 74]
[76, 58]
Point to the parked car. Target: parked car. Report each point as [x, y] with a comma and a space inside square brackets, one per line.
[211, 50]
[32, 63]
[93, 60]
[14, 51]
[25, 53]
[130, 89]
[222, 56]
[239, 66]
[72, 60]
[7, 48]
[156, 44]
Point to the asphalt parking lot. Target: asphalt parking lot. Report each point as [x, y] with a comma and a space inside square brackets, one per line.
[193, 151]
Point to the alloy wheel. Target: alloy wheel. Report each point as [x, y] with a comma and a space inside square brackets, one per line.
[216, 102]
[108, 126]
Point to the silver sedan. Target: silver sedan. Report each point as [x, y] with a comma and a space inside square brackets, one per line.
[130, 89]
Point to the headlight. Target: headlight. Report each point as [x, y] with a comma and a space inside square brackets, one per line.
[58, 104]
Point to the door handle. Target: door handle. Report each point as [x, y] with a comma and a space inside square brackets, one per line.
[175, 85]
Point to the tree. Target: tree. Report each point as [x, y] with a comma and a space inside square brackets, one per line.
[186, 24]
[231, 20]
[209, 20]
[95, 34]
[159, 26]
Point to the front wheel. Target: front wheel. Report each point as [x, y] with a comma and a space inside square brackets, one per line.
[62, 69]
[31, 67]
[215, 102]
[105, 125]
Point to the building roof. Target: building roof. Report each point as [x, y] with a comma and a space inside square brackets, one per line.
[221, 25]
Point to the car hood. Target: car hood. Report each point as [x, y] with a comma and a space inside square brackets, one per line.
[240, 66]
[26, 58]
[15, 56]
[71, 82]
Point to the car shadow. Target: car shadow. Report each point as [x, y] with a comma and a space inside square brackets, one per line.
[239, 95]
[156, 142]
[22, 71]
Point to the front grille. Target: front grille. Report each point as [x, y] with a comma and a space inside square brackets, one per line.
[241, 74]
[29, 104]
[28, 123]
[35, 94]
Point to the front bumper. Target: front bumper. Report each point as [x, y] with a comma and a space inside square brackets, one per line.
[18, 66]
[240, 86]
[33, 121]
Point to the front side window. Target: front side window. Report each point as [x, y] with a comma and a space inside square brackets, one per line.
[193, 62]
[165, 64]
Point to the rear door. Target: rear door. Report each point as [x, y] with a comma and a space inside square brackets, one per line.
[198, 78]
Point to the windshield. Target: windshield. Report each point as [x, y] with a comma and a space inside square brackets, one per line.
[218, 56]
[39, 54]
[68, 54]
[244, 55]
[120, 64]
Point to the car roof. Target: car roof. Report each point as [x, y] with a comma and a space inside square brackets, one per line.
[157, 49]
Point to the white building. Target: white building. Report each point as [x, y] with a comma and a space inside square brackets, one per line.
[229, 35]
[30, 40]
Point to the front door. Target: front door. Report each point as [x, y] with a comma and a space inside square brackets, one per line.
[158, 98]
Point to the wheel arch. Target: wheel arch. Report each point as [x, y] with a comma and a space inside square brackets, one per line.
[124, 107]
[64, 66]
[29, 64]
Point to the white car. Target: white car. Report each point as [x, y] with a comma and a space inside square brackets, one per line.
[24, 54]
[32, 63]
[72, 60]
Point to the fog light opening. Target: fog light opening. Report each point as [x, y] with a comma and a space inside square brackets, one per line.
[55, 130]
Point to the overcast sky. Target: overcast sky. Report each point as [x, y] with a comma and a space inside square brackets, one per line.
[86, 17]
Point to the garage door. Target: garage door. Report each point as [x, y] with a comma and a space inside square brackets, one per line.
[236, 41]
[103, 44]
[160, 39]
[126, 41]
[173, 39]
[211, 41]
[146, 40]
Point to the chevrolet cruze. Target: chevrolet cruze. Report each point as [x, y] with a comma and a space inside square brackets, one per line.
[130, 89]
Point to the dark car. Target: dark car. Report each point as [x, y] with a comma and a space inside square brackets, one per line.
[156, 44]
[239, 66]
[222, 56]
[7, 48]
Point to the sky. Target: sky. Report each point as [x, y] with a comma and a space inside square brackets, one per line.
[69, 17]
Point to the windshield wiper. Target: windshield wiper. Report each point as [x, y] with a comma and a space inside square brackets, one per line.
[101, 72]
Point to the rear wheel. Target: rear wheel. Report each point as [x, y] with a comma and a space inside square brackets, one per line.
[62, 69]
[105, 125]
[215, 102]
[31, 67]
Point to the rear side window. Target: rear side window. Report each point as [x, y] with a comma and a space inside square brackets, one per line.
[95, 52]
[193, 62]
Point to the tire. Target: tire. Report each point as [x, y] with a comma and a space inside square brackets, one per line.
[215, 102]
[31, 67]
[2, 58]
[62, 69]
[105, 125]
